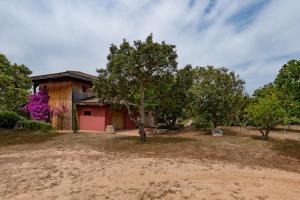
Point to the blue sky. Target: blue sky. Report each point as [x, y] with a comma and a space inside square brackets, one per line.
[252, 37]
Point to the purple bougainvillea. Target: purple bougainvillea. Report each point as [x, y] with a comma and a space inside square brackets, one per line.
[38, 107]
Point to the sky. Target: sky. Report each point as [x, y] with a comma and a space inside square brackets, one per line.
[252, 37]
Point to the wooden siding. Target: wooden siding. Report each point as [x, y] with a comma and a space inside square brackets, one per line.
[118, 119]
[60, 93]
[78, 93]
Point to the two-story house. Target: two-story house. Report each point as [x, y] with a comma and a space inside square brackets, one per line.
[73, 88]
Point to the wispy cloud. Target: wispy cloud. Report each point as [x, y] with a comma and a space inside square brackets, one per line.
[252, 37]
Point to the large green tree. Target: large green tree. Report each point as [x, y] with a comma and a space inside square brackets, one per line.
[287, 84]
[14, 85]
[174, 96]
[216, 94]
[131, 71]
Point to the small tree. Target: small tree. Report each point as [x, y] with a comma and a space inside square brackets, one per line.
[265, 114]
[37, 106]
[131, 71]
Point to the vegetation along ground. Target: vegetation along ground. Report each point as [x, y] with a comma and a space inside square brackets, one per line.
[185, 165]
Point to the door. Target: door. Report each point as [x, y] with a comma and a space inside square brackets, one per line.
[118, 120]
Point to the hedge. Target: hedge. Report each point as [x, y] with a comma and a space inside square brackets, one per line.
[8, 119]
[34, 125]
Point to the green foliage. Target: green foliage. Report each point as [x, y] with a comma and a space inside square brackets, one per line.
[288, 79]
[14, 85]
[174, 96]
[217, 94]
[200, 122]
[268, 90]
[9, 119]
[287, 84]
[131, 70]
[34, 125]
[265, 114]
[74, 119]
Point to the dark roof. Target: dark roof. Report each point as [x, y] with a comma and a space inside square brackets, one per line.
[90, 101]
[71, 74]
[97, 101]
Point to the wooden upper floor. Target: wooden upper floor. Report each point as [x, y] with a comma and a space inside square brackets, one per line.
[65, 86]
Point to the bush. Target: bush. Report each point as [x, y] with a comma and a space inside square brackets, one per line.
[9, 119]
[34, 125]
[199, 122]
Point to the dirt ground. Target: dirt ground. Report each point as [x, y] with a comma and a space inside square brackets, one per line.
[185, 166]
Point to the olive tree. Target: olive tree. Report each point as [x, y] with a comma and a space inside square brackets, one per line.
[132, 70]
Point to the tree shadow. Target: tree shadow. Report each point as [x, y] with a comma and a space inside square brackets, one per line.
[156, 139]
[12, 137]
[287, 147]
[282, 129]
[260, 137]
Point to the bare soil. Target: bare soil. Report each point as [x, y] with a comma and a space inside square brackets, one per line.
[188, 165]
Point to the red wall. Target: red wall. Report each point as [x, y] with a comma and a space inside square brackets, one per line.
[101, 116]
[94, 122]
[128, 123]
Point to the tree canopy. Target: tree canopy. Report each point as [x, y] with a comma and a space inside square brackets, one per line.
[133, 69]
[287, 85]
[174, 96]
[265, 113]
[216, 93]
[14, 85]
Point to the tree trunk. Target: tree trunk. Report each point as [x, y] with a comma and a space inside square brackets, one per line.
[171, 122]
[215, 124]
[137, 122]
[141, 121]
[265, 134]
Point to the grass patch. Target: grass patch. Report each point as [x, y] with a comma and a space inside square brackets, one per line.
[9, 137]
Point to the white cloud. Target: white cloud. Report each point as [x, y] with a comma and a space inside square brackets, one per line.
[51, 36]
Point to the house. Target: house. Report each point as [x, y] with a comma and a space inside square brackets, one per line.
[74, 88]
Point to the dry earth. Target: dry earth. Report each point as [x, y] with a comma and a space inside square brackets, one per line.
[65, 167]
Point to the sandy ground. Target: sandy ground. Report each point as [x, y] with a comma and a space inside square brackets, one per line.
[90, 174]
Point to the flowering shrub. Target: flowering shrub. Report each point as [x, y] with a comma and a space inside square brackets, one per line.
[38, 107]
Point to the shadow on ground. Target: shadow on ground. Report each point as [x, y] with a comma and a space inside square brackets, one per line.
[287, 147]
[24, 137]
[155, 139]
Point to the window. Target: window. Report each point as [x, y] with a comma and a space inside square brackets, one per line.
[83, 88]
[87, 113]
